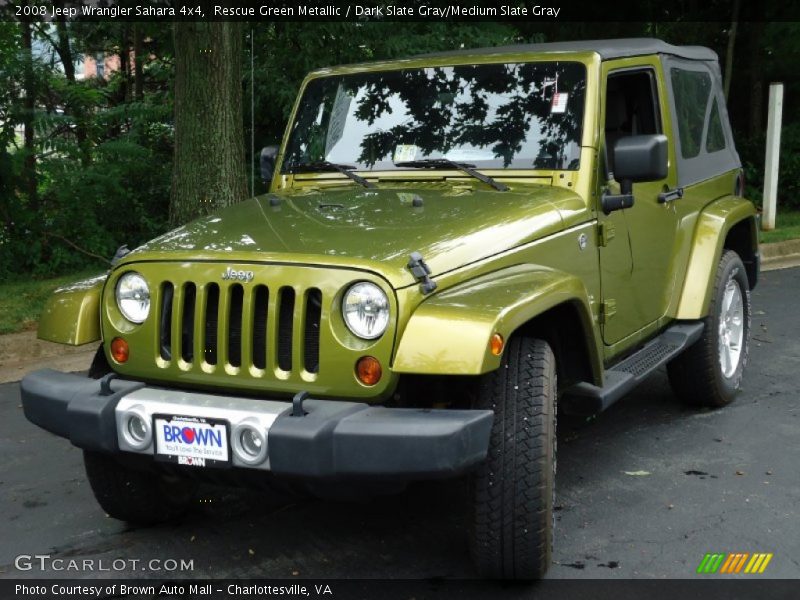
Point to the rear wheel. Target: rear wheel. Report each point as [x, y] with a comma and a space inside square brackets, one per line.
[513, 490]
[710, 372]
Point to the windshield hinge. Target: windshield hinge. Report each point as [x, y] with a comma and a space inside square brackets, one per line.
[421, 272]
[605, 233]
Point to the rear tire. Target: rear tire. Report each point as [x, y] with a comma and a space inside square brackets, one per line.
[709, 373]
[514, 489]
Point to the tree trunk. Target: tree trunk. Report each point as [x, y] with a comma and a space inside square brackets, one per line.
[208, 170]
[729, 51]
[29, 107]
[756, 79]
[73, 109]
[138, 74]
[125, 64]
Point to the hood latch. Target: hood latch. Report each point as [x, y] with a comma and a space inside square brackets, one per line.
[421, 272]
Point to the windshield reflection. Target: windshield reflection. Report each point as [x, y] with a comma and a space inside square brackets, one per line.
[525, 115]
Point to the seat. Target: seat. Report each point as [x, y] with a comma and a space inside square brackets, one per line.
[617, 122]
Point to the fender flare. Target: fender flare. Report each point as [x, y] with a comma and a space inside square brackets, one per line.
[72, 313]
[708, 242]
[449, 333]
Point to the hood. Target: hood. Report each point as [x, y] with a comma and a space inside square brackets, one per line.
[374, 229]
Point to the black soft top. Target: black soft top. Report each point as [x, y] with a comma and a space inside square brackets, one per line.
[607, 49]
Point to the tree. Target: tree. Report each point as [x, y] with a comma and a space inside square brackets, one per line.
[731, 46]
[208, 168]
[28, 114]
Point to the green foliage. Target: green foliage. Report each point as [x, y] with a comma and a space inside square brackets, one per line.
[752, 152]
[103, 163]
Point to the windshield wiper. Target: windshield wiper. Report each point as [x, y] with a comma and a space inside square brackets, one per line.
[324, 165]
[439, 163]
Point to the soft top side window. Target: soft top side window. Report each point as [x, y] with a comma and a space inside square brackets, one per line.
[715, 140]
[692, 93]
[700, 125]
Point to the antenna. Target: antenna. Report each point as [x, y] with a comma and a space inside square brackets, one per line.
[252, 121]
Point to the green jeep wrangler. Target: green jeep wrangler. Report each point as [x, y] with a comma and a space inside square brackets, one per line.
[454, 245]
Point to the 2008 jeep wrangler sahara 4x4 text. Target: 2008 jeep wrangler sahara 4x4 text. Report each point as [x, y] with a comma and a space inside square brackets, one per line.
[453, 245]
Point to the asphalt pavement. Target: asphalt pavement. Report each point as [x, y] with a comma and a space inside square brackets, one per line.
[644, 490]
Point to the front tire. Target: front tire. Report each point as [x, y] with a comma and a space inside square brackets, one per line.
[710, 372]
[127, 494]
[137, 497]
[513, 490]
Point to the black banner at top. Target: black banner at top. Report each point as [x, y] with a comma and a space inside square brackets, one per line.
[443, 11]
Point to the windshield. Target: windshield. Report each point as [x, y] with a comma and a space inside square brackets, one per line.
[520, 116]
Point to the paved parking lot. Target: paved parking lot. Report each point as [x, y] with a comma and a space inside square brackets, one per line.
[644, 490]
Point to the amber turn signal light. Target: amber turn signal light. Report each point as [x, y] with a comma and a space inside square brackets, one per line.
[119, 350]
[368, 370]
[496, 344]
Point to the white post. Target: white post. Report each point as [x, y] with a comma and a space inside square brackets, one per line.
[773, 156]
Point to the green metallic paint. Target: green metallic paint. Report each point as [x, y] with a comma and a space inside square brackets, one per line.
[499, 260]
[634, 263]
[712, 227]
[450, 332]
[375, 230]
[339, 349]
[71, 315]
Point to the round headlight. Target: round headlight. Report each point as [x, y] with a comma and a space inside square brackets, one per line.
[366, 310]
[133, 297]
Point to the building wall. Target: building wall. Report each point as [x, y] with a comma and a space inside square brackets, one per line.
[107, 64]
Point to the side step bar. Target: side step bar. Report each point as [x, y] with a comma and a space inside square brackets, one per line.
[587, 399]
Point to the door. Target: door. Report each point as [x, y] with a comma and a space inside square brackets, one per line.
[637, 280]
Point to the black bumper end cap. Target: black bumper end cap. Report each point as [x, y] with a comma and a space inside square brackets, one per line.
[351, 440]
[74, 407]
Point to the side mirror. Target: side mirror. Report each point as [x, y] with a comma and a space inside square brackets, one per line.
[636, 158]
[267, 162]
[640, 158]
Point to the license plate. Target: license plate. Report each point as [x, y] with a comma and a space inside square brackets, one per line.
[192, 441]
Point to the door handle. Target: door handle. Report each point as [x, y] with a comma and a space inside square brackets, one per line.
[670, 195]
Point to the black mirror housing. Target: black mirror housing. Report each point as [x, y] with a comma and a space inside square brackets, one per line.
[641, 158]
[267, 162]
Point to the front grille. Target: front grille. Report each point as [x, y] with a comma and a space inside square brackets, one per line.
[232, 324]
[285, 326]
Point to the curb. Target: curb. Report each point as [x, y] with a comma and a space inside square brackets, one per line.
[779, 253]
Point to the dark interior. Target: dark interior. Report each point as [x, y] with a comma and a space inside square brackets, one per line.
[631, 108]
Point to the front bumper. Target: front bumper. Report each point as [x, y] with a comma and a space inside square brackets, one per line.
[332, 440]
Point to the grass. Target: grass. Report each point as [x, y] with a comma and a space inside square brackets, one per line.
[22, 301]
[787, 227]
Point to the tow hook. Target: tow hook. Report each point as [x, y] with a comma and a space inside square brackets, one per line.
[297, 404]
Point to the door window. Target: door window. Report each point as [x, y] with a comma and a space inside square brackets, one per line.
[631, 108]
